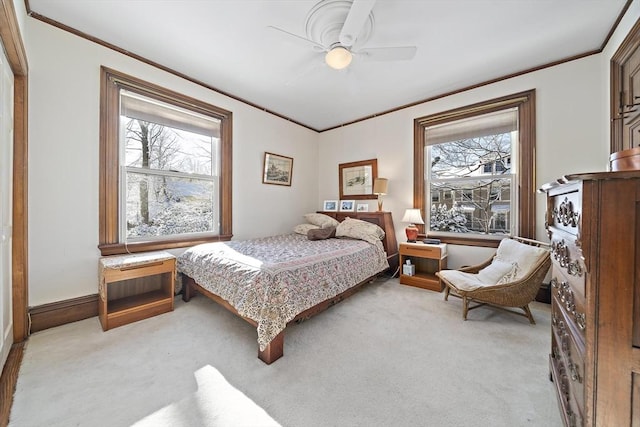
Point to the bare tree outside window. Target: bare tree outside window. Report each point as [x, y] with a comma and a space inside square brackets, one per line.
[477, 172]
[169, 182]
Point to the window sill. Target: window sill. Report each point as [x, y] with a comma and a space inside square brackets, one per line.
[156, 245]
[486, 242]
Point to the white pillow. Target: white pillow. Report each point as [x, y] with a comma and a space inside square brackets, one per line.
[304, 228]
[321, 220]
[358, 229]
[525, 256]
[496, 271]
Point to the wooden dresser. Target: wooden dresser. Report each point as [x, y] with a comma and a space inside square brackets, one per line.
[593, 221]
[384, 221]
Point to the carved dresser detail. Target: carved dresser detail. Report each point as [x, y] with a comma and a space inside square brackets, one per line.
[593, 221]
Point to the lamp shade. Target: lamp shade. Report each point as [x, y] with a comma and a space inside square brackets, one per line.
[380, 186]
[412, 216]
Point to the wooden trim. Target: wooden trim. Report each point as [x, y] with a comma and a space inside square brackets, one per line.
[20, 233]
[11, 39]
[614, 27]
[625, 50]
[121, 248]
[8, 381]
[525, 101]
[103, 43]
[16, 55]
[111, 82]
[61, 312]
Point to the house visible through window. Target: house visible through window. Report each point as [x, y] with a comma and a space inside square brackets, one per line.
[471, 158]
[474, 169]
[165, 168]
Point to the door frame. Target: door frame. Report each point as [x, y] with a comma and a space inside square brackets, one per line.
[628, 47]
[17, 57]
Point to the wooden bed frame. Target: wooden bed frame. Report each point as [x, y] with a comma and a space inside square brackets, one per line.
[275, 349]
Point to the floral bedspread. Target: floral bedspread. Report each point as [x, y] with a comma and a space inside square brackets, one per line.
[271, 280]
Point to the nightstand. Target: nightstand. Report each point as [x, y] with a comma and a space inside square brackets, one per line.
[428, 260]
[134, 287]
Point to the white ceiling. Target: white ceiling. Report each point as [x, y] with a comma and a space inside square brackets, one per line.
[226, 44]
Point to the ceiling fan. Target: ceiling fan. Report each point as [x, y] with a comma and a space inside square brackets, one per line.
[338, 28]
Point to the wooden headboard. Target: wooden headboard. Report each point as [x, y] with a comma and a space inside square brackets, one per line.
[382, 220]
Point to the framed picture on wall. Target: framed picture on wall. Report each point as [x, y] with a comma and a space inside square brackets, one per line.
[277, 169]
[347, 205]
[356, 179]
[330, 205]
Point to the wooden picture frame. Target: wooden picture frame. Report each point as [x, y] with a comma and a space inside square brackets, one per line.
[356, 179]
[277, 169]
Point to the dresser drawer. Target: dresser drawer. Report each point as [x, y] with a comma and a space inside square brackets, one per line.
[566, 255]
[570, 409]
[422, 251]
[565, 212]
[571, 299]
[569, 349]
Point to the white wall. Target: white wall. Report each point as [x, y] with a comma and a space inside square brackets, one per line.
[570, 138]
[64, 101]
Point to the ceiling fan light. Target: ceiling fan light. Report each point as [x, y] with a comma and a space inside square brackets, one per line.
[338, 58]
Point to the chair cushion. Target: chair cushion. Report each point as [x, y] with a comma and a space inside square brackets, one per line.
[524, 256]
[463, 281]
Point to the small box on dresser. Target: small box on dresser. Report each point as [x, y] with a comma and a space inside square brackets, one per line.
[593, 221]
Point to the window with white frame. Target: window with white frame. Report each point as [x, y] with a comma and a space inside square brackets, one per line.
[165, 168]
[472, 159]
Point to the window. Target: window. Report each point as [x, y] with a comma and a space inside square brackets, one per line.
[165, 168]
[483, 156]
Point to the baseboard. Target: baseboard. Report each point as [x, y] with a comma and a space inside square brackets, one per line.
[60, 312]
[8, 381]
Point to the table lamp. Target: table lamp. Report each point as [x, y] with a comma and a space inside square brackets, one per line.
[412, 216]
[380, 189]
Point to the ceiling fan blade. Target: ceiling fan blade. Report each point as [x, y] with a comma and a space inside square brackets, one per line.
[358, 14]
[316, 46]
[400, 53]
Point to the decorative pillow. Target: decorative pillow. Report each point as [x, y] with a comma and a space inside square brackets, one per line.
[526, 256]
[321, 233]
[321, 220]
[512, 276]
[358, 229]
[496, 272]
[304, 228]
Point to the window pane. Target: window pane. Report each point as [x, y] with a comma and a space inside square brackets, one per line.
[163, 206]
[155, 146]
[481, 206]
[471, 157]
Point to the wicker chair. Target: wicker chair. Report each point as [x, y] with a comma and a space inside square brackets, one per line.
[511, 278]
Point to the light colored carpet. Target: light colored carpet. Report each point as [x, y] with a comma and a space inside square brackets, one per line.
[390, 355]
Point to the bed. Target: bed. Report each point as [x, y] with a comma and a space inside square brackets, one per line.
[272, 281]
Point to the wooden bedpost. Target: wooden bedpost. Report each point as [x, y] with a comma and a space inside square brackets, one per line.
[274, 350]
[187, 288]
